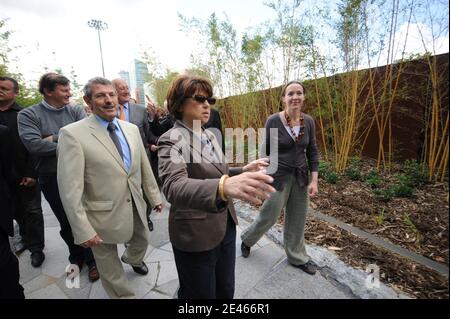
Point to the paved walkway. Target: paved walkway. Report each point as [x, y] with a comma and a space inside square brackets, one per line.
[264, 275]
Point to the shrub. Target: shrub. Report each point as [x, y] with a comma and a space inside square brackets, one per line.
[353, 173]
[324, 169]
[379, 219]
[355, 161]
[402, 190]
[383, 194]
[404, 187]
[373, 179]
[332, 178]
[416, 173]
[353, 170]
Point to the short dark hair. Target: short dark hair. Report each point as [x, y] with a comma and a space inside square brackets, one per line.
[14, 82]
[87, 90]
[49, 81]
[185, 86]
[283, 91]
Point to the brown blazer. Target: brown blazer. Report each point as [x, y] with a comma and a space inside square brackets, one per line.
[197, 218]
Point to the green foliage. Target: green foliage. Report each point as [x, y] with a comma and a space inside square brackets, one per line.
[353, 173]
[324, 168]
[332, 178]
[383, 194]
[379, 219]
[404, 187]
[373, 179]
[353, 170]
[161, 85]
[355, 161]
[417, 176]
[4, 48]
[351, 31]
[28, 96]
[326, 172]
[407, 220]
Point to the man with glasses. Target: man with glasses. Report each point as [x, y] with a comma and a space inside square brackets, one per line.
[137, 115]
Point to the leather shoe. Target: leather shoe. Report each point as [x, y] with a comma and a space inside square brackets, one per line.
[93, 273]
[310, 267]
[245, 250]
[141, 270]
[37, 258]
[19, 247]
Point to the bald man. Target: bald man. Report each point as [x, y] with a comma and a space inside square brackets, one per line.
[136, 114]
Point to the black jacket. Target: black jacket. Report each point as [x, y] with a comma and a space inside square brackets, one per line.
[6, 181]
[24, 162]
[215, 122]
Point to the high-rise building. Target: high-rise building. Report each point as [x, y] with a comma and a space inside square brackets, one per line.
[124, 75]
[138, 76]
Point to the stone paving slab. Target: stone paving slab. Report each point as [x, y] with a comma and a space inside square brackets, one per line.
[264, 275]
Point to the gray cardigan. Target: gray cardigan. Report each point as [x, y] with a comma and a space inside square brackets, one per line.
[38, 122]
[292, 158]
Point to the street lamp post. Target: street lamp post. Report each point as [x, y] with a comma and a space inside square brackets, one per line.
[99, 25]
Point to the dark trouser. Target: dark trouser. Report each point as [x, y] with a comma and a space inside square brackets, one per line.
[28, 215]
[9, 271]
[77, 254]
[154, 166]
[208, 274]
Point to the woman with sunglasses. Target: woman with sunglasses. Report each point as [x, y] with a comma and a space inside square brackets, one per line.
[297, 154]
[199, 185]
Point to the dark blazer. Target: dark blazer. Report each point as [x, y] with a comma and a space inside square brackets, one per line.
[197, 218]
[138, 116]
[160, 126]
[23, 161]
[6, 182]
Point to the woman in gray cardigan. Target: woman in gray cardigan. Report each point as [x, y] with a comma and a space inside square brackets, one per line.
[297, 155]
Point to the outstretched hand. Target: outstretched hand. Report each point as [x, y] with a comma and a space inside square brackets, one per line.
[252, 187]
[256, 165]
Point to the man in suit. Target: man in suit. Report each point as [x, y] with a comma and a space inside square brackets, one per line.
[102, 170]
[9, 266]
[136, 114]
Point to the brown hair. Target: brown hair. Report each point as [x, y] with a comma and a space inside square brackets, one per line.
[283, 91]
[49, 81]
[182, 87]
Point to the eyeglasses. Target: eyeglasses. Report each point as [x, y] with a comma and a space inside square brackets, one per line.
[202, 99]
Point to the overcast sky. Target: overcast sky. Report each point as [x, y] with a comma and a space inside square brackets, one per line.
[54, 33]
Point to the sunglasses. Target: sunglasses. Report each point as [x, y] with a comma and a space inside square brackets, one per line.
[202, 99]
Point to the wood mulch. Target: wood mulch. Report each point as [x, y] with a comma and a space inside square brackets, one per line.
[419, 224]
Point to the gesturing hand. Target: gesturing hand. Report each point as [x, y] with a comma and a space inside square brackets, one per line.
[256, 165]
[151, 107]
[250, 187]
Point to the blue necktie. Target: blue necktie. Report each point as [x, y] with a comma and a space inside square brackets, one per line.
[115, 139]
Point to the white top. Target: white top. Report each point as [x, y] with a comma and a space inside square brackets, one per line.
[296, 130]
